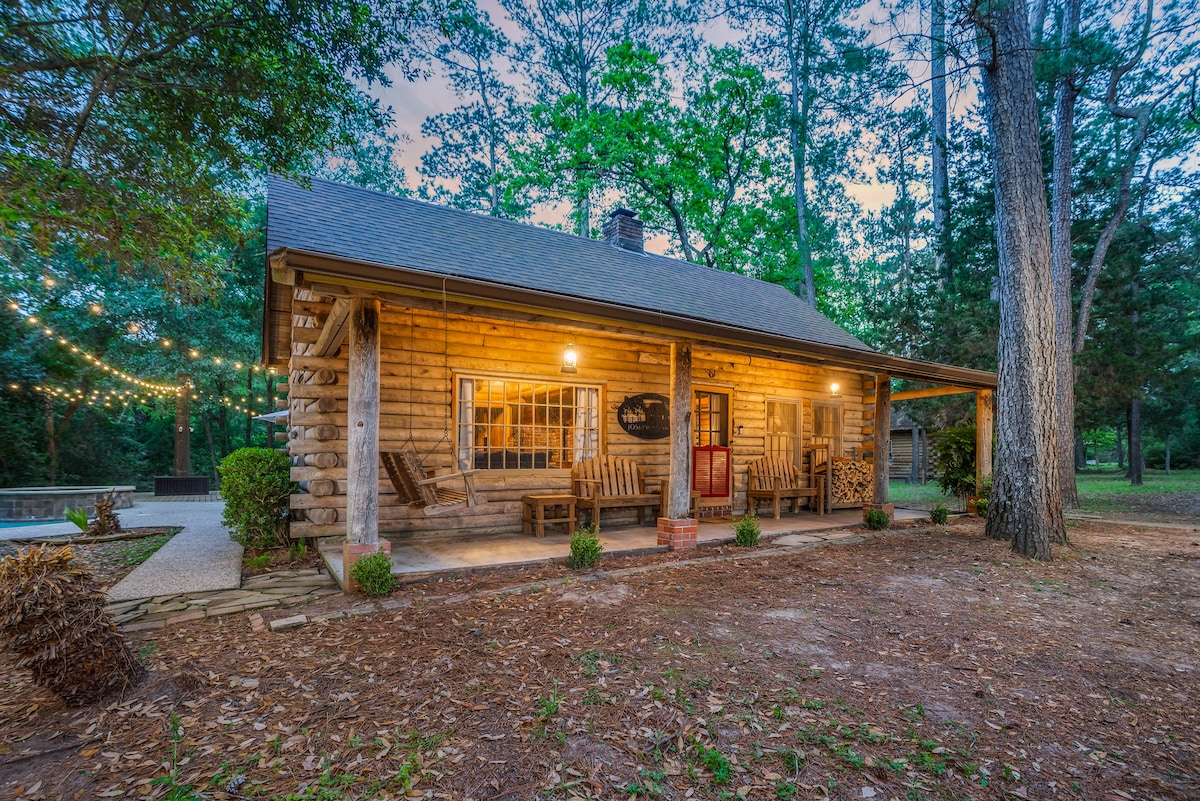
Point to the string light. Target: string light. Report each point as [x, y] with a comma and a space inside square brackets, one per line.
[132, 328]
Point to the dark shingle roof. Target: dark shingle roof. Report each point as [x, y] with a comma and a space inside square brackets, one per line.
[367, 226]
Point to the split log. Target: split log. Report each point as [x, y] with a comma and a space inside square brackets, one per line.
[322, 487]
[322, 517]
[324, 460]
[325, 376]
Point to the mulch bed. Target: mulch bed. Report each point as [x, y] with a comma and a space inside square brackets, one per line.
[114, 559]
[927, 664]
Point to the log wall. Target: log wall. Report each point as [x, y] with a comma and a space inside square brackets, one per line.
[421, 352]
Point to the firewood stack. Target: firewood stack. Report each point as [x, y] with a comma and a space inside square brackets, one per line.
[853, 481]
[52, 617]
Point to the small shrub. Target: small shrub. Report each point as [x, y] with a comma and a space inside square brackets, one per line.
[256, 483]
[260, 562]
[746, 531]
[585, 548]
[106, 521]
[297, 550]
[981, 507]
[984, 490]
[373, 574]
[876, 519]
[954, 460]
[939, 515]
[78, 517]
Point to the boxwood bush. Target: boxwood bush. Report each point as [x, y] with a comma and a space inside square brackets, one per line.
[256, 483]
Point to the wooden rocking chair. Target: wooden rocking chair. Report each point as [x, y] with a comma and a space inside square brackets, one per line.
[416, 489]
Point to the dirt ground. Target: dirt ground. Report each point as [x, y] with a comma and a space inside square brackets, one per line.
[929, 663]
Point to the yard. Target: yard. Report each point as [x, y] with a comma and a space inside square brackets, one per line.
[1102, 491]
[929, 663]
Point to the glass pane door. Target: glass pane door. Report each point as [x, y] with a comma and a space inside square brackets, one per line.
[783, 430]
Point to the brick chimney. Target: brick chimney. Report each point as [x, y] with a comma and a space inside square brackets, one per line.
[624, 230]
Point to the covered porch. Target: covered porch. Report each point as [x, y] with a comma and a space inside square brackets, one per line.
[421, 557]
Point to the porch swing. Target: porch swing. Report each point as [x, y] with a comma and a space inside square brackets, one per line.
[405, 467]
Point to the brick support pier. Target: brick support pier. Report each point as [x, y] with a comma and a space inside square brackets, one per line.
[352, 553]
[677, 533]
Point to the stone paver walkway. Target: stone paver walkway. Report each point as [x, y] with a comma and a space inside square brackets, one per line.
[283, 588]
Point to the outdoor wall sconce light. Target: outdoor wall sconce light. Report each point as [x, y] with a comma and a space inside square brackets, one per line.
[570, 359]
[833, 391]
[741, 430]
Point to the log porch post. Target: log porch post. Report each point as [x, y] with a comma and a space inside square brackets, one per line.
[677, 530]
[883, 435]
[362, 420]
[983, 436]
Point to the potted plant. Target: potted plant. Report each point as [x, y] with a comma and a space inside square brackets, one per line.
[979, 499]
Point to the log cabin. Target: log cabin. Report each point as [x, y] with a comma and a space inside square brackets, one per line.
[513, 352]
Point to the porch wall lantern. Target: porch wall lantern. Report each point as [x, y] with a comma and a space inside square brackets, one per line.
[834, 390]
[570, 359]
[741, 430]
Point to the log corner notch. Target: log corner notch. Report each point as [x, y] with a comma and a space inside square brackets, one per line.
[882, 436]
[984, 415]
[362, 421]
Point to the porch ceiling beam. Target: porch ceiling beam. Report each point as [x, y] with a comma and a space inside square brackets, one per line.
[931, 392]
[333, 333]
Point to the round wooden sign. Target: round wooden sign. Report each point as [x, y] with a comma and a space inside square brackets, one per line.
[646, 416]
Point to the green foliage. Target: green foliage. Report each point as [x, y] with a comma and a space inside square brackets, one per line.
[585, 548]
[981, 507]
[132, 128]
[373, 574]
[78, 517]
[256, 483]
[297, 549]
[746, 531]
[939, 515]
[876, 519]
[954, 460]
[259, 562]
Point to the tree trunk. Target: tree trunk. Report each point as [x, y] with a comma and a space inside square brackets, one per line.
[249, 402]
[1060, 227]
[1025, 507]
[1079, 451]
[51, 443]
[798, 131]
[1120, 450]
[941, 185]
[183, 430]
[1167, 455]
[1135, 441]
[212, 448]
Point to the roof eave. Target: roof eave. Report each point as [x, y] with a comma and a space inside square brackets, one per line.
[832, 355]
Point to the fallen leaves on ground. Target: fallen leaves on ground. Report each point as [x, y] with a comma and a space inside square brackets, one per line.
[927, 664]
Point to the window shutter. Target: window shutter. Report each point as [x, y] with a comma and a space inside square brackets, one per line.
[710, 471]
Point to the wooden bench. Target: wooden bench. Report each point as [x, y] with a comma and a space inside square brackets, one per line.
[610, 482]
[776, 480]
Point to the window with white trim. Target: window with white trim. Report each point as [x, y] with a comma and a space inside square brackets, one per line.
[783, 431]
[525, 424]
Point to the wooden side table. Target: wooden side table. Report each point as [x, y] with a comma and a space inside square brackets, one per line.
[538, 511]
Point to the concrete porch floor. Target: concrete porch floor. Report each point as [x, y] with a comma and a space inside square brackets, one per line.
[418, 558]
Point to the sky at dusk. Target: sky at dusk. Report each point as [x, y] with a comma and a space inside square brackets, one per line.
[412, 102]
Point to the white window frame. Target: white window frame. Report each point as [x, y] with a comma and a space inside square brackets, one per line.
[523, 442]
